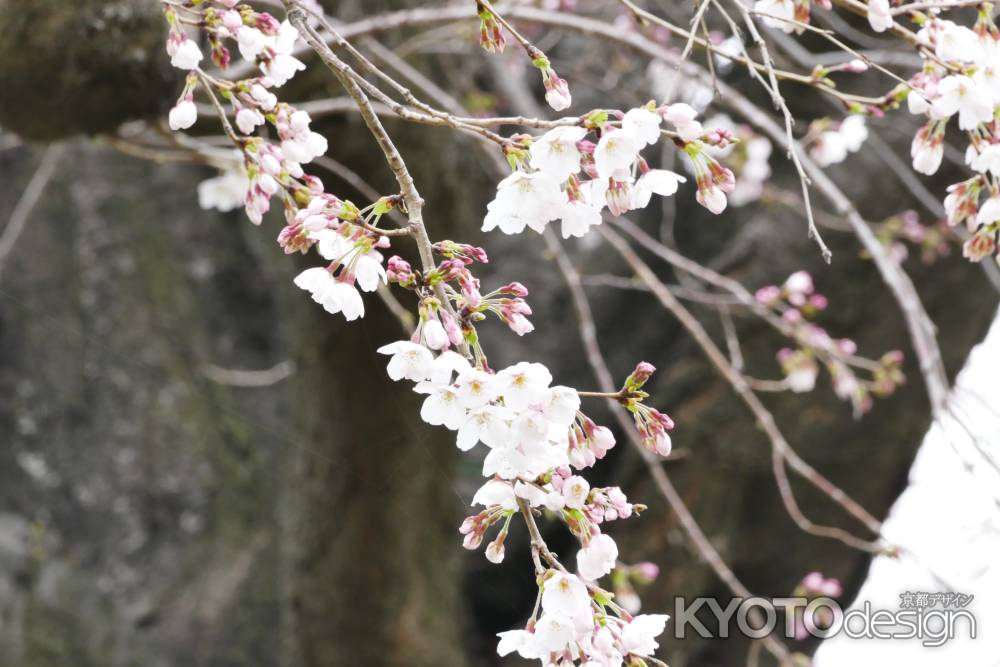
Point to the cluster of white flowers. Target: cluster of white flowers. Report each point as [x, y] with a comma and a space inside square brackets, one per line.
[548, 186]
[315, 218]
[537, 437]
[359, 263]
[514, 412]
[573, 626]
[833, 145]
[355, 261]
[225, 192]
[261, 40]
[961, 77]
[532, 430]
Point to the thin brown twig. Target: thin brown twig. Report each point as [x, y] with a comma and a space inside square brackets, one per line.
[412, 199]
[763, 416]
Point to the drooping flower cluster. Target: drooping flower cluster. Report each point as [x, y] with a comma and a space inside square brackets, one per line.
[745, 152]
[562, 175]
[515, 412]
[834, 143]
[932, 240]
[442, 326]
[354, 261]
[574, 625]
[650, 422]
[339, 230]
[797, 302]
[537, 437]
[961, 79]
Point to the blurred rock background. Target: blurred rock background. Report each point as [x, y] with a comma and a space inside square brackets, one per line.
[153, 515]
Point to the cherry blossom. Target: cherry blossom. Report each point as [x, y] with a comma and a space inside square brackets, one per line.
[556, 89]
[960, 94]
[956, 43]
[554, 633]
[574, 491]
[566, 595]
[655, 181]
[521, 641]
[185, 55]
[597, 558]
[495, 494]
[639, 635]
[682, 117]
[578, 216]
[411, 361]
[927, 149]
[555, 152]
[642, 124]
[335, 295]
[879, 16]
[615, 153]
[523, 200]
[833, 146]
[224, 192]
[183, 115]
[777, 13]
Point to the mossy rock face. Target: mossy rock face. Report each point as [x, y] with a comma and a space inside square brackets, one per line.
[110, 66]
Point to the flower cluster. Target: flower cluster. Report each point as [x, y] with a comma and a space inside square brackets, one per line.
[339, 230]
[354, 262]
[745, 152]
[650, 422]
[538, 438]
[574, 625]
[832, 144]
[961, 79]
[515, 412]
[933, 240]
[562, 175]
[796, 302]
[442, 326]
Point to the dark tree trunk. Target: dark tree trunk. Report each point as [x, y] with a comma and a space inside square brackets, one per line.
[147, 514]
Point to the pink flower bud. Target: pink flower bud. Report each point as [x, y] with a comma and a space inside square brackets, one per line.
[646, 572]
[643, 371]
[267, 24]
[556, 91]
[514, 289]
[769, 295]
[856, 66]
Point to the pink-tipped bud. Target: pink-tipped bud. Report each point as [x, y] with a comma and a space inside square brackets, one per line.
[643, 371]
[514, 289]
[267, 24]
[646, 572]
[856, 66]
